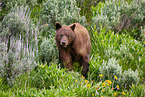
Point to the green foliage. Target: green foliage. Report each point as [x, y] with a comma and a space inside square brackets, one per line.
[124, 79]
[18, 44]
[137, 91]
[122, 47]
[52, 12]
[118, 15]
[18, 24]
[27, 43]
[48, 51]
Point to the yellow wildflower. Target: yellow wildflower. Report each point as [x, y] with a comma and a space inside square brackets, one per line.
[123, 93]
[101, 75]
[115, 77]
[88, 86]
[76, 80]
[117, 86]
[108, 84]
[92, 94]
[103, 84]
[103, 90]
[108, 81]
[83, 77]
[115, 94]
[144, 42]
[86, 81]
[101, 96]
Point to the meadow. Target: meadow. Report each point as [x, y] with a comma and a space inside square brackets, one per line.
[29, 63]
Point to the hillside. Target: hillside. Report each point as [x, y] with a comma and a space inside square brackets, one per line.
[29, 63]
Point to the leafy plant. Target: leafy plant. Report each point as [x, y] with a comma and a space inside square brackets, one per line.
[63, 11]
[18, 44]
[118, 15]
[48, 51]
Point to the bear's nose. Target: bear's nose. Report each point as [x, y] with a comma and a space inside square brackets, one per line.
[63, 42]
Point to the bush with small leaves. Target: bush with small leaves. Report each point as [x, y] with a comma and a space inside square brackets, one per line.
[64, 11]
[18, 44]
[112, 71]
[118, 15]
[48, 51]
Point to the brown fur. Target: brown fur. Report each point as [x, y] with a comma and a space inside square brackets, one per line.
[74, 45]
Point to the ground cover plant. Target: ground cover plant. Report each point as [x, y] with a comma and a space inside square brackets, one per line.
[29, 64]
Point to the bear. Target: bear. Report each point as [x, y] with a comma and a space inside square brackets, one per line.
[74, 45]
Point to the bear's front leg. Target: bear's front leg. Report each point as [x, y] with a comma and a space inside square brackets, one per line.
[84, 62]
[66, 59]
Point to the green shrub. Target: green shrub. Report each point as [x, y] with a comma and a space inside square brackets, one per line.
[118, 15]
[130, 77]
[48, 51]
[64, 11]
[18, 24]
[124, 79]
[18, 44]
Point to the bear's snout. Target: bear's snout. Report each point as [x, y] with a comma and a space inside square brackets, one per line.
[64, 43]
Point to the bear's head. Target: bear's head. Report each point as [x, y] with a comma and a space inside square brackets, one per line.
[64, 34]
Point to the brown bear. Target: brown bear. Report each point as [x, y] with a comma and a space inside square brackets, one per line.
[74, 45]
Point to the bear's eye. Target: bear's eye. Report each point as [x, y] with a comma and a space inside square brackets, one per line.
[68, 36]
[61, 36]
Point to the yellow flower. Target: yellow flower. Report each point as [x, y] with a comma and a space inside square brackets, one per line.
[88, 85]
[115, 94]
[83, 77]
[103, 90]
[101, 75]
[117, 86]
[103, 84]
[115, 77]
[86, 81]
[76, 80]
[108, 81]
[123, 93]
[108, 85]
[144, 42]
[92, 94]
[101, 96]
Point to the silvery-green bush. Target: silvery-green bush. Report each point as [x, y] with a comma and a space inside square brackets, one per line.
[124, 79]
[17, 23]
[48, 51]
[18, 44]
[64, 11]
[119, 15]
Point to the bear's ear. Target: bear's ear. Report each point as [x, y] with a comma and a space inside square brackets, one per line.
[73, 27]
[57, 26]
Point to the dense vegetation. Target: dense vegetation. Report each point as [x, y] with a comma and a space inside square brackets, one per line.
[29, 64]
